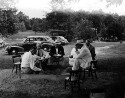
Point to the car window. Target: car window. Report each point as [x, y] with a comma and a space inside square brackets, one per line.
[54, 38]
[43, 39]
[32, 39]
[29, 40]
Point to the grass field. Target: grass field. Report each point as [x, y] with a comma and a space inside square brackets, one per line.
[111, 66]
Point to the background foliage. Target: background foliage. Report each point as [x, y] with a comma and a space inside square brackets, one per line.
[78, 25]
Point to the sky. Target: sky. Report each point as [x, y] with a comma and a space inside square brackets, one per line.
[39, 8]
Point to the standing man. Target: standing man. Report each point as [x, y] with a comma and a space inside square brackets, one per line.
[28, 65]
[91, 48]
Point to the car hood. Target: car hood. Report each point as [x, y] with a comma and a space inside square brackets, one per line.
[15, 44]
[20, 44]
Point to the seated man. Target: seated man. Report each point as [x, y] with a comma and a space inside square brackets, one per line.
[40, 52]
[83, 59]
[28, 64]
[60, 50]
[91, 48]
[52, 51]
[56, 49]
[43, 54]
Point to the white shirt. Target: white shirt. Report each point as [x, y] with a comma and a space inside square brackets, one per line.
[28, 60]
[74, 52]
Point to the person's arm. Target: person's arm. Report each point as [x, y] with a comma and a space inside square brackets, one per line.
[93, 50]
[93, 53]
[32, 64]
[84, 52]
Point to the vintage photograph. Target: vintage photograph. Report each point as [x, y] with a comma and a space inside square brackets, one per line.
[62, 48]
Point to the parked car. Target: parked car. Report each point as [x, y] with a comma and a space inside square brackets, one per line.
[60, 39]
[38, 38]
[23, 47]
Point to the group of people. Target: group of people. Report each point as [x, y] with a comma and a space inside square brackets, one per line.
[31, 60]
[81, 56]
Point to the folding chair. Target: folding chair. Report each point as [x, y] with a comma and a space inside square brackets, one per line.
[73, 79]
[17, 64]
[91, 70]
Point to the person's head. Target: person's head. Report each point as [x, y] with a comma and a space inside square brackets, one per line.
[87, 42]
[38, 46]
[33, 50]
[78, 45]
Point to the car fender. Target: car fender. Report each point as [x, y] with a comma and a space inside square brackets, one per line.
[18, 48]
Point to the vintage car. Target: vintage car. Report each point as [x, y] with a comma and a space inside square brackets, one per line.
[38, 38]
[60, 40]
[23, 47]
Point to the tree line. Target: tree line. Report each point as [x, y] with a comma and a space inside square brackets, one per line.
[76, 24]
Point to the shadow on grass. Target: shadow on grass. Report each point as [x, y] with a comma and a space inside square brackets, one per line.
[115, 64]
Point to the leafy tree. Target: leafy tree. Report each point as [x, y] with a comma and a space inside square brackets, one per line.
[23, 18]
[96, 20]
[115, 30]
[22, 26]
[35, 22]
[44, 25]
[8, 20]
[108, 20]
[84, 29]
[57, 20]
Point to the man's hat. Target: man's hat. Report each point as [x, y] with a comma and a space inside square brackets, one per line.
[79, 41]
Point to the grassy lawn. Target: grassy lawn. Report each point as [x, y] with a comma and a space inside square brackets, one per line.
[111, 66]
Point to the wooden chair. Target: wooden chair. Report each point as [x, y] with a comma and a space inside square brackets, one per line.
[91, 70]
[73, 79]
[17, 64]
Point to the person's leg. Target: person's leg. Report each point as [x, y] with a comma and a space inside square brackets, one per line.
[76, 64]
[67, 71]
[37, 64]
[44, 63]
[71, 61]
